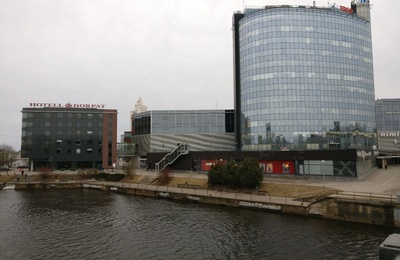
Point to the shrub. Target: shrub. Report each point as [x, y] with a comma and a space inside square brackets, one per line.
[163, 177]
[116, 177]
[230, 175]
[215, 174]
[109, 177]
[246, 174]
[251, 174]
[129, 169]
[44, 172]
[87, 173]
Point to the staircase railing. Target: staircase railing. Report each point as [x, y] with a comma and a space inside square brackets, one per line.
[168, 159]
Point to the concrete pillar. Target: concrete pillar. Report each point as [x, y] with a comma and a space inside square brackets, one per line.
[396, 214]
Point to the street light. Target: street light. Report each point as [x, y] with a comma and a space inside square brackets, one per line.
[356, 135]
[323, 174]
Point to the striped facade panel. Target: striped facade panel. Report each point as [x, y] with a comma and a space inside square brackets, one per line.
[197, 142]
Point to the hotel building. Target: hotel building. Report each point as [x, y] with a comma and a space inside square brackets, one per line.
[69, 136]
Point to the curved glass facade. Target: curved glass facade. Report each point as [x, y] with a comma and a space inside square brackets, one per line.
[306, 79]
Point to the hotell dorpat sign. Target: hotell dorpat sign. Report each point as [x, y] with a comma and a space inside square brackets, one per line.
[67, 105]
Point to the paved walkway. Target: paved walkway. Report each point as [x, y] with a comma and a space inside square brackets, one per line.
[380, 181]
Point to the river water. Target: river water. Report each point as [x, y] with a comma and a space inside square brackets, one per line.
[87, 224]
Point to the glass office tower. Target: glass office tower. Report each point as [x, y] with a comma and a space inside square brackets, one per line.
[304, 78]
[388, 127]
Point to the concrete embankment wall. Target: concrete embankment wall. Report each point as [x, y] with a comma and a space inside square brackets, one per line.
[369, 212]
[218, 198]
[47, 185]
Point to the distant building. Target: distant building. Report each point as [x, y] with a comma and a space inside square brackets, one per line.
[139, 107]
[19, 162]
[70, 136]
[203, 130]
[304, 98]
[388, 130]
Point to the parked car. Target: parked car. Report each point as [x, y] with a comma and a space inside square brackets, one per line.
[23, 167]
[5, 168]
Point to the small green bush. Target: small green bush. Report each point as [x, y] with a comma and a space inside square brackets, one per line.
[246, 174]
[109, 177]
[215, 174]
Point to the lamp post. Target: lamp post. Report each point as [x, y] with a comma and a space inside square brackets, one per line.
[327, 138]
[212, 143]
[356, 139]
[323, 174]
[362, 142]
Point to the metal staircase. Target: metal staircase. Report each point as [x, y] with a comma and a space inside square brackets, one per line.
[168, 159]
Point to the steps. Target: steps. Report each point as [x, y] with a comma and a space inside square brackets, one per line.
[181, 149]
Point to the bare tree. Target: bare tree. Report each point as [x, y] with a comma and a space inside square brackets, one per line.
[7, 155]
[129, 168]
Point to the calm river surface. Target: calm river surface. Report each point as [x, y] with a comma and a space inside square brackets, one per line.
[87, 224]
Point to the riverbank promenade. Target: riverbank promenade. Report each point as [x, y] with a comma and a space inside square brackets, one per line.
[380, 181]
[345, 199]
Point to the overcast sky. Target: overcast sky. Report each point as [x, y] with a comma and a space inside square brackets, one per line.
[174, 54]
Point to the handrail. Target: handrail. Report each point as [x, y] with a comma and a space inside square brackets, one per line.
[349, 196]
[169, 158]
[365, 196]
[207, 193]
